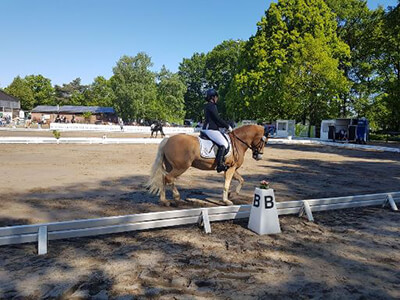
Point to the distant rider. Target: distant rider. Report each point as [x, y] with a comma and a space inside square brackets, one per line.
[212, 125]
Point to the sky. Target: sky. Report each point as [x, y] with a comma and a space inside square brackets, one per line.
[63, 40]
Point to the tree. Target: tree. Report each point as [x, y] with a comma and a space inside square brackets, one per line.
[170, 96]
[20, 89]
[134, 87]
[290, 68]
[72, 93]
[389, 67]
[356, 27]
[100, 93]
[43, 91]
[220, 67]
[192, 72]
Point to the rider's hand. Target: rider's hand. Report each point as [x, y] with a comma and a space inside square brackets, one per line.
[229, 129]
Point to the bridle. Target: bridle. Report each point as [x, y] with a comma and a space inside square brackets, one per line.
[257, 149]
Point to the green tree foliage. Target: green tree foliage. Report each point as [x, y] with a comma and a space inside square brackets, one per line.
[170, 97]
[72, 93]
[43, 91]
[33, 90]
[20, 89]
[192, 72]
[290, 68]
[220, 67]
[356, 26]
[212, 70]
[100, 93]
[388, 58]
[134, 86]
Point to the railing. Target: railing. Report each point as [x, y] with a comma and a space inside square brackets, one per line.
[77, 140]
[116, 128]
[42, 233]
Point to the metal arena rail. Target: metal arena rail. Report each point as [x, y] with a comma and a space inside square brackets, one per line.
[42, 233]
[105, 140]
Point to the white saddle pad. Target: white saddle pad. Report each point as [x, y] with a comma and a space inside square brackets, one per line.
[209, 150]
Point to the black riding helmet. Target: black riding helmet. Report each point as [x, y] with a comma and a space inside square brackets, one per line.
[211, 93]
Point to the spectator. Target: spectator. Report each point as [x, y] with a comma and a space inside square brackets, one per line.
[121, 123]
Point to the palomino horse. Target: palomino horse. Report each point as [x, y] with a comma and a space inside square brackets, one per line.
[180, 152]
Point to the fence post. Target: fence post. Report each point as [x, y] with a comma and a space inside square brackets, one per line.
[390, 200]
[42, 240]
[306, 209]
[206, 220]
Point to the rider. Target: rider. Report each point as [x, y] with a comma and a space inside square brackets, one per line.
[212, 125]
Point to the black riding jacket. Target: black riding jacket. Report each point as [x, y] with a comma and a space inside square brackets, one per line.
[213, 120]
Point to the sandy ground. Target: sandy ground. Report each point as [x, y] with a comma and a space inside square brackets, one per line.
[350, 254]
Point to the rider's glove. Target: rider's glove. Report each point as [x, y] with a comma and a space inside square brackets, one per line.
[229, 129]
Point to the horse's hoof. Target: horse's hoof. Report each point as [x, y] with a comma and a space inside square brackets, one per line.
[177, 203]
[228, 203]
[165, 203]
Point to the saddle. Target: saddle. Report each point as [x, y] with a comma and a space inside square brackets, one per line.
[208, 149]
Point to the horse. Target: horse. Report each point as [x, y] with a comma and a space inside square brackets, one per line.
[157, 127]
[180, 152]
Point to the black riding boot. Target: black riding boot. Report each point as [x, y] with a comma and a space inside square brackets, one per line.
[220, 159]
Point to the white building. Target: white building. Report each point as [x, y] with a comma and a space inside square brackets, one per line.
[9, 105]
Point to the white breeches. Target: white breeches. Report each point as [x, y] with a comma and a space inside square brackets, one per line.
[217, 137]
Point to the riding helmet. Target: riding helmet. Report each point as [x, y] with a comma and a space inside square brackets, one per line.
[211, 93]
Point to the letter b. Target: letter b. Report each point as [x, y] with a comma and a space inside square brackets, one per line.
[269, 202]
[256, 202]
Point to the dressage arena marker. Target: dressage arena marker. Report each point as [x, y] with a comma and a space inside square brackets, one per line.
[42, 233]
[263, 217]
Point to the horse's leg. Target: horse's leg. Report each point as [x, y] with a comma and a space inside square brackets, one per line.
[163, 199]
[175, 192]
[239, 178]
[170, 180]
[228, 178]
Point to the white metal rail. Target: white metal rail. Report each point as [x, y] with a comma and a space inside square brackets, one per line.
[89, 140]
[42, 233]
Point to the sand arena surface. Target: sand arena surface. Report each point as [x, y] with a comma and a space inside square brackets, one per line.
[352, 253]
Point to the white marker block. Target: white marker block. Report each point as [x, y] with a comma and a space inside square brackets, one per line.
[263, 214]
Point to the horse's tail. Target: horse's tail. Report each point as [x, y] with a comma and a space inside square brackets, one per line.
[156, 181]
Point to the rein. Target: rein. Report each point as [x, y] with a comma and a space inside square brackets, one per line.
[249, 146]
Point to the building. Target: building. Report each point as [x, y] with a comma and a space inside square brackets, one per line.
[9, 105]
[74, 114]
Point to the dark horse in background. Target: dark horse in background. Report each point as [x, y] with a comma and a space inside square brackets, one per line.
[157, 127]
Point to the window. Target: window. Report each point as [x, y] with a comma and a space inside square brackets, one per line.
[282, 126]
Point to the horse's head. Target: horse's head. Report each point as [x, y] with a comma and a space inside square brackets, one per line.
[258, 143]
[253, 136]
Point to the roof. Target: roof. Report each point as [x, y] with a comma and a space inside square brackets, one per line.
[7, 97]
[45, 108]
[71, 109]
